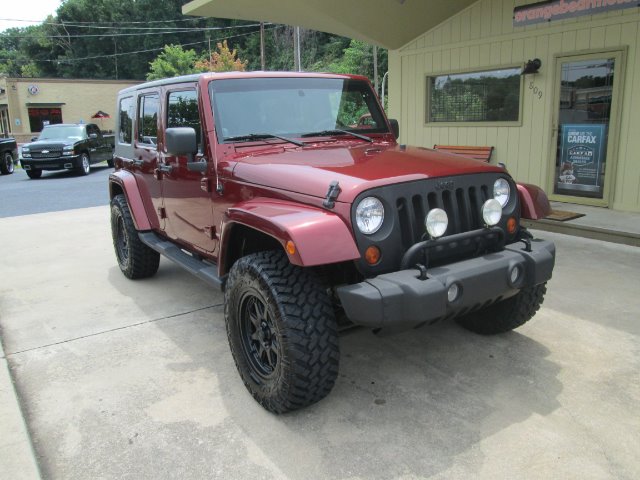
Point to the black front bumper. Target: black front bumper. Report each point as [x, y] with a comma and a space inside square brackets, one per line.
[59, 163]
[402, 300]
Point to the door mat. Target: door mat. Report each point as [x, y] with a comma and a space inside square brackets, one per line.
[563, 215]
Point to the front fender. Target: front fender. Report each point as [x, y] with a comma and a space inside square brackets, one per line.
[320, 236]
[126, 182]
[534, 203]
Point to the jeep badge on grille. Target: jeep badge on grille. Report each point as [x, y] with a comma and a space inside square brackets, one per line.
[445, 185]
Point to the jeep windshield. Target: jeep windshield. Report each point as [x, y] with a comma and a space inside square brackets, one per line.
[254, 108]
[65, 132]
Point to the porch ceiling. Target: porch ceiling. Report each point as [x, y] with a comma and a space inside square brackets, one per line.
[387, 23]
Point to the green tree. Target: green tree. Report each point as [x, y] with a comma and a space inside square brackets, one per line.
[173, 61]
[357, 59]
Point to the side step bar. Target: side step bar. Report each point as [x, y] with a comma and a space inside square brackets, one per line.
[203, 270]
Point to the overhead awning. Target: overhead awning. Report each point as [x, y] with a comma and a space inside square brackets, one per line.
[387, 23]
[41, 104]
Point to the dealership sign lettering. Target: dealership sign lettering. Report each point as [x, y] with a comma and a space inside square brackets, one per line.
[582, 156]
[560, 9]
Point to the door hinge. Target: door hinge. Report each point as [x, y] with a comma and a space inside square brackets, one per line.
[210, 231]
[162, 213]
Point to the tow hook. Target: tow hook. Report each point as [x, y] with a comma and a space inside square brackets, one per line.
[423, 272]
[526, 239]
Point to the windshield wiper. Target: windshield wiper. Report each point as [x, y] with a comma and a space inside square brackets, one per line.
[326, 133]
[261, 136]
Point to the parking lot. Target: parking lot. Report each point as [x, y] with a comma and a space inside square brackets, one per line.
[134, 379]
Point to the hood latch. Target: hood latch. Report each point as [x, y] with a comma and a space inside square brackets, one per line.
[332, 195]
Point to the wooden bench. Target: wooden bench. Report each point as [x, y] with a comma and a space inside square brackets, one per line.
[477, 153]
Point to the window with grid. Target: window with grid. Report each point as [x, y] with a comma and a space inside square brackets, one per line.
[488, 96]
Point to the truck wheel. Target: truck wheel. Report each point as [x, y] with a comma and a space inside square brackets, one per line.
[34, 173]
[135, 259]
[85, 164]
[6, 165]
[110, 162]
[282, 332]
[507, 314]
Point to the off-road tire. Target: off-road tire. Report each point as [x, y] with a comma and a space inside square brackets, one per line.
[135, 259]
[300, 328]
[85, 164]
[34, 173]
[110, 162]
[506, 315]
[6, 164]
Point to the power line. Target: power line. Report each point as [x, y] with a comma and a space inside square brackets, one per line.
[163, 32]
[192, 19]
[112, 55]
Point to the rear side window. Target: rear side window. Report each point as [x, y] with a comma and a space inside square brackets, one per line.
[148, 106]
[125, 120]
[182, 111]
[93, 129]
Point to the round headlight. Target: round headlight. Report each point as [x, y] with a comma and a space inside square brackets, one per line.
[491, 212]
[501, 191]
[436, 222]
[369, 215]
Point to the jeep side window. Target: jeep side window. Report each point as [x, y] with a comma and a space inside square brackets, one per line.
[125, 124]
[148, 106]
[182, 111]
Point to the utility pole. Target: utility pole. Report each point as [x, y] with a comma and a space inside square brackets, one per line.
[375, 67]
[115, 56]
[262, 62]
[296, 49]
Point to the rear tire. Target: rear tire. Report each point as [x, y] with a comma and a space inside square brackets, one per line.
[34, 173]
[6, 164]
[135, 259]
[507, 314]
[282, 331]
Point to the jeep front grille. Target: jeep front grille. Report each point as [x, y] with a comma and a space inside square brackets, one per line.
[462, 205]
[406, 206]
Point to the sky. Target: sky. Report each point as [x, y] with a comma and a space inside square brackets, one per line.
[26, 10]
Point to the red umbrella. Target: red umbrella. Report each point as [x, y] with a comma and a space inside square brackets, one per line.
[100, 114]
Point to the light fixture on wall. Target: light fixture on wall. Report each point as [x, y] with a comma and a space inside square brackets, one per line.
[532, 66]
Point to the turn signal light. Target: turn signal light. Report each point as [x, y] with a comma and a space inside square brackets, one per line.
[290, 247]
[512, 225]
[372, 255]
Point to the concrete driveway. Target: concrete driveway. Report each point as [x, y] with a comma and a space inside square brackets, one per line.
[134, 379]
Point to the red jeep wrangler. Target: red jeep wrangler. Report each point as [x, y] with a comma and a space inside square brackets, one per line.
[266, 186]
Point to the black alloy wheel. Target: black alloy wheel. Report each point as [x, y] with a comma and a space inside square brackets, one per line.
[259, 336]
[6, 167]
[282, 331]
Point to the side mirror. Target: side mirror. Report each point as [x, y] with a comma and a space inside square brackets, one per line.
[33, 139]
[395, 127]
[181, 141]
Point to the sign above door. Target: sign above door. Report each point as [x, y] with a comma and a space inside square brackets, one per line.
[560, 9]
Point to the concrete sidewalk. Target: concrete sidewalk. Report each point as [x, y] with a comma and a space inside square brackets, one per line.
[597, 223]
[17, 460]
[134, 379]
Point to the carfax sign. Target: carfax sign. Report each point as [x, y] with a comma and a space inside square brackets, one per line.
[582, 155]
[560, 9]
